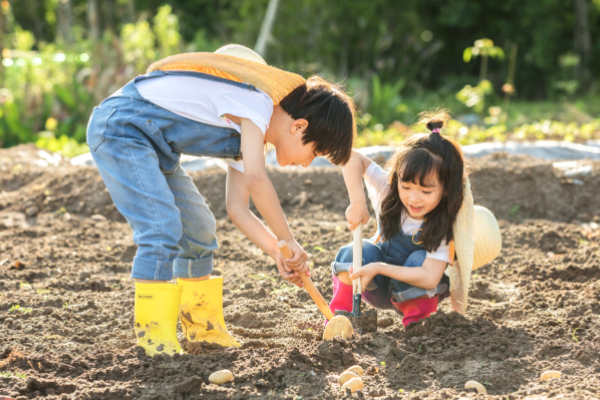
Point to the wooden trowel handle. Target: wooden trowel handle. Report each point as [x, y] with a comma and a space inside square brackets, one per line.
[308, 283]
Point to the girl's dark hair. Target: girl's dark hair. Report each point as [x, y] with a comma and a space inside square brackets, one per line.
[330, 114]
[419, 156]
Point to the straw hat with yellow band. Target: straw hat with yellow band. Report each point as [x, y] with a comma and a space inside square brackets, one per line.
[236, 63]
[477, 241]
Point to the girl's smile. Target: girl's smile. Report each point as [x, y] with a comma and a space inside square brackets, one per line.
[420, 200]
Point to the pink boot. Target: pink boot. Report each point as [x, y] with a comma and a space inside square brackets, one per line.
[416, 309]
[342, 296]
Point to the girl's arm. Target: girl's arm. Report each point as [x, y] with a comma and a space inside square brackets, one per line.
[427, 276]
[264, 195]
[353, 173]
[237, 198]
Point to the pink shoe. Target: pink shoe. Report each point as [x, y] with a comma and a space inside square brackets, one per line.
[416, 309]
[342, 296]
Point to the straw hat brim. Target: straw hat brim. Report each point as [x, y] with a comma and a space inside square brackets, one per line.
[273, 81]
[477, 241]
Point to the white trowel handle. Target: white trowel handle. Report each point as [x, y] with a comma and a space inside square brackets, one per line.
[357, 257]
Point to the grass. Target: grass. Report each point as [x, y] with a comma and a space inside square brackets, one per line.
[8, 374]
[17, 307]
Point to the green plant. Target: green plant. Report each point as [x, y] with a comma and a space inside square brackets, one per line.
[9, 374]
[483, 48]
[575, 338]
[17, 307]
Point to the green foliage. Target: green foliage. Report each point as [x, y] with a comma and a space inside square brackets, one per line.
[65, 145]
[484, 48]
[474, 96]
[18, 308]
[9, 374]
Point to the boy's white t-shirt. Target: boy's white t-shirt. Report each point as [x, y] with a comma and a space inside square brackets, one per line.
[377, 181]
[208, 101]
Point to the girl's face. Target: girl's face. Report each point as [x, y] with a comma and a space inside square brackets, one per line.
[420, 200]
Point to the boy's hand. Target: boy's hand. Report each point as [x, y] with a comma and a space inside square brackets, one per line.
[298, 263]
[286, 274]
[366, 274]
[356, 213]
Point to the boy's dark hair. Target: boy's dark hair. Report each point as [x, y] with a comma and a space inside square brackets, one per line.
[420, 155]
[330, 114]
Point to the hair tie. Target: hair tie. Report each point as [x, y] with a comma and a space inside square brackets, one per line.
[436, 130]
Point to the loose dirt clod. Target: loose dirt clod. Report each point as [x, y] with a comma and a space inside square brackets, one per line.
[550, 374]
[357, 369]
[220, 377]
[476, 385]
[354, 384]
[346, 376]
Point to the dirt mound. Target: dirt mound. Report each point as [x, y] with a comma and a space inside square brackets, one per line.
[66, 304]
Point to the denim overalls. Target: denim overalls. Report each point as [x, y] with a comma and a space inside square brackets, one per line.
[136, 146]
[403, 250]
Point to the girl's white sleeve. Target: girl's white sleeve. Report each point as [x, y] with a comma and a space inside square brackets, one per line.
[377, 180]
[442, 253]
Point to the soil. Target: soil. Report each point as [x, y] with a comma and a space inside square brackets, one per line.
[66, 302]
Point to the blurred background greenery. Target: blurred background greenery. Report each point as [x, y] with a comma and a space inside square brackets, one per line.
[510, 70]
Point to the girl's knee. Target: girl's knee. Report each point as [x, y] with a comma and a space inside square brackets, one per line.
[371, 252]
[416, 259]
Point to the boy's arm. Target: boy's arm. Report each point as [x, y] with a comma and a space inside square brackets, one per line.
[353, 173]
[237, 197]
[264, 195]
[427, 276]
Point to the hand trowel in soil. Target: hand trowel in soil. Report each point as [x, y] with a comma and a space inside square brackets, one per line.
[361, 322]
[338, 325]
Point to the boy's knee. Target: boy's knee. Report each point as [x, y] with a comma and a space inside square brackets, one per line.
[416, 259]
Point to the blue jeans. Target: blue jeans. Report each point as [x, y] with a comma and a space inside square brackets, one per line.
[387, 289]
[136, 146]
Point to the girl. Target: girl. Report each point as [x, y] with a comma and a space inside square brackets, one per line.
[416, 204]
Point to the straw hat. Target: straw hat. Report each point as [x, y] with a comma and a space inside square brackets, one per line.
[477, 241]
[237, 63]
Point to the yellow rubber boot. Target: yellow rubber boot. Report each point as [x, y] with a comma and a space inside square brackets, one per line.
[201, 312]
[156, 311]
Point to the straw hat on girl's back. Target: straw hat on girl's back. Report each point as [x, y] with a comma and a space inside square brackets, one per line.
[477, 241]
[237, 63]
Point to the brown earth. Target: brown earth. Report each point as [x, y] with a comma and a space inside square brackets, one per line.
[66, 303]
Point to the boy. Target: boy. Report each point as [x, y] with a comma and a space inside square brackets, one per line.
[197, 104]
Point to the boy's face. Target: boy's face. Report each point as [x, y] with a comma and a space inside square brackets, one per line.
[286, 134]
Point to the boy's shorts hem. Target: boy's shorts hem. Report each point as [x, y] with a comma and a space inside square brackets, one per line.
[193, 268]
[152, 270]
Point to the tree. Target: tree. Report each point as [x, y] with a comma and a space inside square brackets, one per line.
[583, 39]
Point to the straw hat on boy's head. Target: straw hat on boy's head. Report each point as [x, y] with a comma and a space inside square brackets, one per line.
[237, 63]
[477, 241]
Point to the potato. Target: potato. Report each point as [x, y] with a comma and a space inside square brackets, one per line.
[550, 374]
[476, 385]
[220, 377]
[357, 369]
[354, 384]
[346, 376]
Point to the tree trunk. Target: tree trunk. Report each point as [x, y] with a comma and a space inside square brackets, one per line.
[131, 10]
[265, 29]
[93, 22]
[583, 40]
[65, 20]
[2, 30]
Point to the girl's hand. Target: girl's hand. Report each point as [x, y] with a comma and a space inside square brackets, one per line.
[366, 274]
[356, 213]
[298, 263]
[286, 274]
